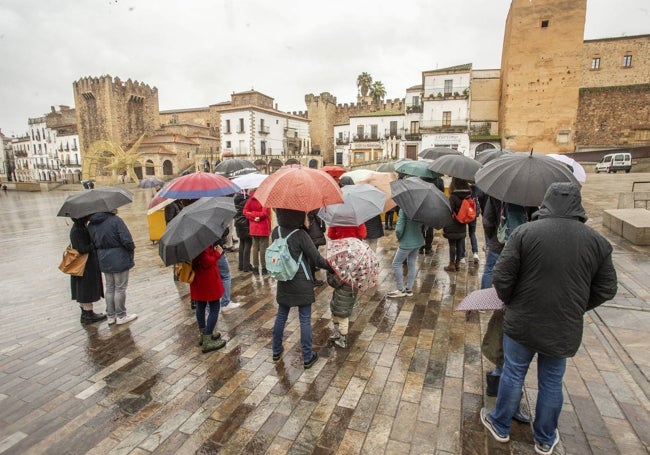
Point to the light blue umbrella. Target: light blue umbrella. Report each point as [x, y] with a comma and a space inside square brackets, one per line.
[360, 203]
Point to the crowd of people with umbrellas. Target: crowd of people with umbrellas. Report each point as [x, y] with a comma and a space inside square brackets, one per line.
[340, 209]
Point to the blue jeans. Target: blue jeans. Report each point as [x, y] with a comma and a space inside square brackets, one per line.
[411, 257]
[224, 273]
[490, 261]
[304, 314]
[115, 294]
[213, 316]
[550, 372]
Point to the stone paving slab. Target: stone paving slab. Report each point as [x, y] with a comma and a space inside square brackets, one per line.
[411, 382]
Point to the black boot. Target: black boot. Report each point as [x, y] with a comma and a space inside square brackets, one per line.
[492, 380]
[88, 317]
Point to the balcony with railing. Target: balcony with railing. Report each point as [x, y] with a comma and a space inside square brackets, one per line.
[413, 136]
[264, 130]
[440, 126]
[365, 138]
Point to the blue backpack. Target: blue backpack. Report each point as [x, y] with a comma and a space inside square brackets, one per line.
[279, 262]
[512, 215]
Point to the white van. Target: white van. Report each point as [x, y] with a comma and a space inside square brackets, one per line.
[615, 162]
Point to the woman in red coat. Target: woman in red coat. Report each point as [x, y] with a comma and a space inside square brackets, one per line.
[259, 226]
[205, 291]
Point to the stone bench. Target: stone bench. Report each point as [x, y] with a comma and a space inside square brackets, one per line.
[631, 224]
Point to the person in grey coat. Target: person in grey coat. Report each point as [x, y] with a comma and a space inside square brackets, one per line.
[549, 273]
[116, 250]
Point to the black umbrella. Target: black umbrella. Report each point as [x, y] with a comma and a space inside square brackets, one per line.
[390, 167]
[103, 199]
[235, 167]
[195, 228]
[437, 152]
[459, 166]
[486, 156]
[522, 178]
[422, 201]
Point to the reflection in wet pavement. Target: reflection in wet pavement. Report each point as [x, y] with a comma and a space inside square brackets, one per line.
[411, 381]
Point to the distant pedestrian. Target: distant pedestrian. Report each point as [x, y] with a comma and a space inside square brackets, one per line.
[550, 272]
[116, 257]
[259, 219]
[4, 188]
[88, 288]
[374, 231]
[455, 232]
[243, 233]
[299, 291]
[224, 274]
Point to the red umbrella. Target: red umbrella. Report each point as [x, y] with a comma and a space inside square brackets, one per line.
[198, 185]
[334, 171]
[299, 188]
[483, 299]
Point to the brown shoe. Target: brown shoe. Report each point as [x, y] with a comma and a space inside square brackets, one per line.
[451, 267]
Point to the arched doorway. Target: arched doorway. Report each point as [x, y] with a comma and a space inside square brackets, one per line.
[313, 164]
[274, 165]
[168, 167]
[482, 147]
[262, 166]
[149, 168]
[291, 161]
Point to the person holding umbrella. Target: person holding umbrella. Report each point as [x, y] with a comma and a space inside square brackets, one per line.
[456, 231]
[116, 257]
[243, 232]
[410, 239]
[205, 291]
[259, 219]
[298, 291]
[551, 271]
[88, 288]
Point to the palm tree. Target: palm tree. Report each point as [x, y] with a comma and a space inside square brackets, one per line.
[377, 92]
[363, 83]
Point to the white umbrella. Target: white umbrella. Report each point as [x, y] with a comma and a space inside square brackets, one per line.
[249, 181]
[360, 203]
[577, 169]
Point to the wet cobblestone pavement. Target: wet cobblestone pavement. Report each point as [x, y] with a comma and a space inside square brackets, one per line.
[411, 382]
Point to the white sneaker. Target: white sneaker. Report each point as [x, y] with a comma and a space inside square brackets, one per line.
[396, 293]
[463, 261]
[126, 318]
[110, 320]
[476, 258]
[231, 306]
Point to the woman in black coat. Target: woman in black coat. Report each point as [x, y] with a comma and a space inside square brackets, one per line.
[299, 291]
[88, 288]
[455, 232]
[243, 234]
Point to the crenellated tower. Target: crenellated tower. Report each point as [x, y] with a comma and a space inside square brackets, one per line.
[109, 109]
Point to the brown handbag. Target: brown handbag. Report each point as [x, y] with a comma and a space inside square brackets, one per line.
[73, 262]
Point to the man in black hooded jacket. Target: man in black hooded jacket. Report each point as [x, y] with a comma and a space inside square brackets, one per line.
[550, 272]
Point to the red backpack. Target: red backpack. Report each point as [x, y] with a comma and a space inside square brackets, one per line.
[467, 211]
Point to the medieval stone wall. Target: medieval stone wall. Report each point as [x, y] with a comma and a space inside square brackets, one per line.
[614, 116]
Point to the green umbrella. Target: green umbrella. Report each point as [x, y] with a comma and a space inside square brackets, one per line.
[416, 169]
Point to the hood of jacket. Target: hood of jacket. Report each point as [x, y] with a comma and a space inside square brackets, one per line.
[562, 200]
[99, 217]
[291, 219]
[345, 181]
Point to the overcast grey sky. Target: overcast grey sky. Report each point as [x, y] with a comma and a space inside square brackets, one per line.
[197, 52]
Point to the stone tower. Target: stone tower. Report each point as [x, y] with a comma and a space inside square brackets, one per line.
[541, 74]
[321, 110]
[115, 111]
